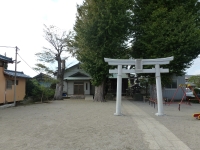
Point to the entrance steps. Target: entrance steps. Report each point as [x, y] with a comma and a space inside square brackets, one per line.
[77, 97]
[89, 97]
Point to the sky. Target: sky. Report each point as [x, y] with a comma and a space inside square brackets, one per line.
[22, 24]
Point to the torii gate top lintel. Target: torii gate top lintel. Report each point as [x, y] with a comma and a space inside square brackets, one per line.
[160, 61]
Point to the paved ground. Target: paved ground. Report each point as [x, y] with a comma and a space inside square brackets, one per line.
[180, 123]
[86, 125]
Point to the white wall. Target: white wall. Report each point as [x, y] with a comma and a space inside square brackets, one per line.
[169, 93]
[70, 87]
[87, 92]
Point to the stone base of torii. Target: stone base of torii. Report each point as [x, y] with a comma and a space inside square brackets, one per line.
[139, 63]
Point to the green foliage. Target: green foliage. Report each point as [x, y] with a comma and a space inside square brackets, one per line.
[102, 31]
[38, 92]
[197, 90]
[195, 80]
[143, 81]
[42, 68]
[166, 79]
[167, 28]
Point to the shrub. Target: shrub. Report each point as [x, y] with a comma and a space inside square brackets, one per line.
[37, 91]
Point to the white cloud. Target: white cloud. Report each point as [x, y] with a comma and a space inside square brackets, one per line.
[195, 68]
[22, 25]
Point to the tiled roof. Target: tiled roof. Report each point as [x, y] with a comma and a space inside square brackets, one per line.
[77, 78]
[6, 59]
[41, 76]
[78, 74]
[18, 74]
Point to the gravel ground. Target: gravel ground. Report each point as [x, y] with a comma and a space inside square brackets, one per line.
[68, 125]
[86, 125]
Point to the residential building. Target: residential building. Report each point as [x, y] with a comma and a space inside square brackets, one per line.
[78, 82]
[7, 78]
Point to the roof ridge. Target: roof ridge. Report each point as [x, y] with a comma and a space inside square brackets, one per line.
[6, 57]
[14, 71]
[18, 74]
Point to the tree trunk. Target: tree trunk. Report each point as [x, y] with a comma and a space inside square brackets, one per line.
[60, 75]
[58, 91]
[99, 93]
[42, 98]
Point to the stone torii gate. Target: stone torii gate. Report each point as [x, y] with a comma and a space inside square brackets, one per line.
[139, 69]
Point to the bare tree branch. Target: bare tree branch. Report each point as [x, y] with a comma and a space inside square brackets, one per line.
[58, 51]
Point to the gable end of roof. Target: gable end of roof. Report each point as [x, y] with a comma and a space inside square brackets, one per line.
[6, 59]
[78, 74]
[18, 74]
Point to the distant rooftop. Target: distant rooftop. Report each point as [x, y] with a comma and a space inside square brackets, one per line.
[6, 59]
[18, 74]
[42, 76]
[71, 64]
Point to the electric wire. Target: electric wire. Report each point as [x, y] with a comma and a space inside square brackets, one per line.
[26, 63]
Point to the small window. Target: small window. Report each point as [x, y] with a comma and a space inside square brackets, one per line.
[86, 86]
[1, 64]
[14, 82]
[9, 84]
[173, 84]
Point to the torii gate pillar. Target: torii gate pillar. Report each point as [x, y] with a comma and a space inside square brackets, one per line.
[119, 91]
[159, 91]
[139, 69]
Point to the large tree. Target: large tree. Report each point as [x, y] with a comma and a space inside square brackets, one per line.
[56, 52]
[164, 28]
[196, 80]
[102, 29]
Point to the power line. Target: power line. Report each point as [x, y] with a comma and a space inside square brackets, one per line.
[27, 63]
[7, 46]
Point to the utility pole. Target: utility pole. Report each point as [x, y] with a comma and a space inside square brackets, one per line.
[16, 48]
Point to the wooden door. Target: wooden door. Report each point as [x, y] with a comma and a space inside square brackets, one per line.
[78, 88]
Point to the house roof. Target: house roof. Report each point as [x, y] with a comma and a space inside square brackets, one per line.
[72, 64]
[41, 76]
[81, 76]
[188, 76]
[78, 78]
[18, 74]
[68, 66]
[78, 74]
[6, 59]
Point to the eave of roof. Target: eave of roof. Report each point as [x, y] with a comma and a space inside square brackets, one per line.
[6, 59]
[77, 78]
[78, 74]
[42, 75]
[18, 74]
[72, 65]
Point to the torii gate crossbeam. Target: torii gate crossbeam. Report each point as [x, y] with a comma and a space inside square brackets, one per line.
[139, 69]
